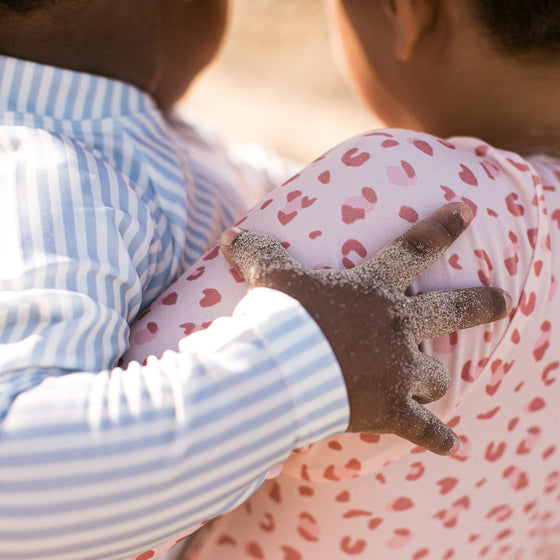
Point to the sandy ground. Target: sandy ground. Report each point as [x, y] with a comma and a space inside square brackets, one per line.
[276, 82]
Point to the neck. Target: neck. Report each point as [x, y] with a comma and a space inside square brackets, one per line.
[516, 107]
[515, 104]
[535, 142]
[509, 101]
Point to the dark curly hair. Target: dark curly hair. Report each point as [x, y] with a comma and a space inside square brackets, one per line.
[520, 26]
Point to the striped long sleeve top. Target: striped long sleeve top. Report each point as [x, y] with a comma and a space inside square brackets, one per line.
[103, 202]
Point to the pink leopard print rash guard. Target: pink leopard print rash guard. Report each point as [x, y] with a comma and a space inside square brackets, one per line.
[367, 496]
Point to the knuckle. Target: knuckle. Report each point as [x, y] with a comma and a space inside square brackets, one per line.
[416, 245]
[398, 323]
[438, 389]
[423, 397]
[425, 242]
[427, 431]
[482, 305]
[441, 386]
[271, 274]
[433, 383]
[399, 311]
[440, 379]
[451, 224]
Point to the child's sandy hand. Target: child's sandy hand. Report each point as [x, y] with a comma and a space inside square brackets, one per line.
[374, 328]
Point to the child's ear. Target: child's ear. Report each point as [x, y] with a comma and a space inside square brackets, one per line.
[410, 19]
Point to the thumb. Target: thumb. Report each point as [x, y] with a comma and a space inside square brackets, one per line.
[257, 256]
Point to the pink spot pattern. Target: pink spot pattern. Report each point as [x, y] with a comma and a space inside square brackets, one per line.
[356, 207]
[368, 495]
[402, 175]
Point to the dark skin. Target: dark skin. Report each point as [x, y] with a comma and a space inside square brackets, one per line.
[373, 328]
[160, 46]
[400, 55]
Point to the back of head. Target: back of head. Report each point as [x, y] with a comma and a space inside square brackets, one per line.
[159, 46]
[111, 38]
[520, 27]
[22, 6]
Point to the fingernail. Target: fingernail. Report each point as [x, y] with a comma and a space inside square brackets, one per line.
[509, 301]
[456, 447]
[466, 213]
[229, 235]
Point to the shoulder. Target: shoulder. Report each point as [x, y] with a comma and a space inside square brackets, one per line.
[55, 168]
[405, 154]
[58, 190]
[419, 172]
[39, 149]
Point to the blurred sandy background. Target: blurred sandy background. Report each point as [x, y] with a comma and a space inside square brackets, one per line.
[276, 82]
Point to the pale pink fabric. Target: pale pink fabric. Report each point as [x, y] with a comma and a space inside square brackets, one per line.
[364, 496]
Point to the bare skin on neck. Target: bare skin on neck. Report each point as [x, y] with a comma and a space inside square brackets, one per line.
[428, 65]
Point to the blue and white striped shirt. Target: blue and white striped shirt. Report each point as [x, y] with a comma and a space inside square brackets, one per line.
[103, 202]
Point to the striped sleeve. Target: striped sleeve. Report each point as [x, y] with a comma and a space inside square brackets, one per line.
[104, 465]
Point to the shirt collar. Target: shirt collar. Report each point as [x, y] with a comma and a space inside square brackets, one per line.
[30, 87]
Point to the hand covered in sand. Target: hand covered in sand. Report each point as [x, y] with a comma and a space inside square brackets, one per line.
[373, 328]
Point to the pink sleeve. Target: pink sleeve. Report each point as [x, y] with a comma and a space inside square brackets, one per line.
[341, 210]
